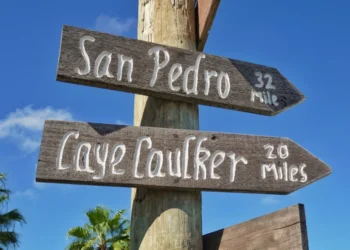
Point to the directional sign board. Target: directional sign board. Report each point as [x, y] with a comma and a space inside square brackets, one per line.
[118, 63]
[283, 230]
[101, 154]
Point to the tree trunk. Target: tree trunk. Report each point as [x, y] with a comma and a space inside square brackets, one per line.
[166, 219]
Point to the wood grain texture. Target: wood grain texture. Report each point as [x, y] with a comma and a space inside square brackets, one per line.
[206, 15]
[166, 219]
[245, 78]
[282, 230]
[252, 176]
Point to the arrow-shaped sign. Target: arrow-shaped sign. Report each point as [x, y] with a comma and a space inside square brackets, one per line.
[101, 154]
[112, 62]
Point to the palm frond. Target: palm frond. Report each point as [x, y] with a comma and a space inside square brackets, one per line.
[102, 231]
[8, 239]
[79, 232]
[90, 244]
[14, 215]
[3, 180]
[124, 224]
[117, 238]
[76, 245]
[3, 177]
[119, 214]
[87, 248]
[5, 191]
[119, 245]
[3, 197]
[98, 215]
[10, 218]
[117, 223]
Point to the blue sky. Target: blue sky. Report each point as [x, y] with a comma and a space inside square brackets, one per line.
[308, 41]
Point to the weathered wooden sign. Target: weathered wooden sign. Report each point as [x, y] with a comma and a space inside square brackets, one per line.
[206, 11]
[112, 62]
[282, 230]
[101, 154]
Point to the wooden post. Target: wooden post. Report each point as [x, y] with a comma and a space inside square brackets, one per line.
[166, 219]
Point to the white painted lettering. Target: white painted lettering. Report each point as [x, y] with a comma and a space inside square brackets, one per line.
[214, 163]
[199, 161]
[195, 70]
[293, 172]
[280, 173]
[158, 170]
[185, 156]
[256, 94]
[303, 174]
[282, 151]
[85, 159]
[260, 80]
[137, 154]
[269, 153]
[101, 160]
[264, 96]
[267, 168]
[234, 162]
[173, 77]
[269, 81]
[274, 100]
[105, 69]
[63, 142]
[285, 168]
[114, 161]
[121, 61]
[227, 85]
[85, 55]
[177, 163]
[157, 66]
[207, 76]
[267, 101]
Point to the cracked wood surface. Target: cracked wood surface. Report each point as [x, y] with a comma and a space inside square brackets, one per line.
[281, 230]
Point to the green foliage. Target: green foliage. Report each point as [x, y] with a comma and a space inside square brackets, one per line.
[105, 231]
[8, 219]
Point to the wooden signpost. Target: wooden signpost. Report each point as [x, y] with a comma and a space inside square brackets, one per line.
[112, 62]
[281, 230]
[166, 219]
[168, 166]
[102, 154]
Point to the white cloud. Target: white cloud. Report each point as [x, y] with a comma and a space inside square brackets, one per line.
[26, 194]
[29, 144]
[113, 25]
[270, 200]
[24, 126]
[39, 185]
[62, 187]
[121, 122]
